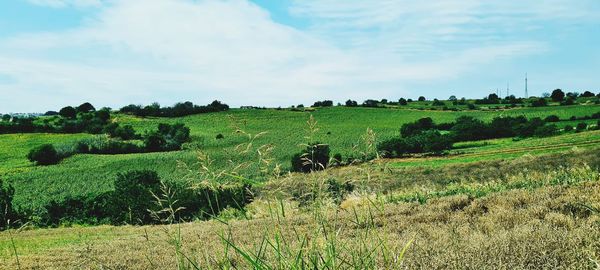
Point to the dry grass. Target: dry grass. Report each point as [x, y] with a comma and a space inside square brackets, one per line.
[552, 227]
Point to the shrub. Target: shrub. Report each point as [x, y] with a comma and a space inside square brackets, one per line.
[422, 98]
[402, 102]
[568, 128]
[581, 127]
[410, 129]
[430, 141]
[471, 106]
[468, 128]
[437, 102]
[44, 155]
[6, 208]
[123, 132]
[337, 159]
[568, 101]
[314, 158]
[527, 129]
[154, 141]
[552, 118]
[546, 131]
[90, 209]
[540, 102]
[220, 136]
[133, 196]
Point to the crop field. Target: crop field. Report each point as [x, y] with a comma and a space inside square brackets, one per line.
[340, 127]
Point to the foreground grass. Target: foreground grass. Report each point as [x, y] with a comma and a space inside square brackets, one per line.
[527, 217]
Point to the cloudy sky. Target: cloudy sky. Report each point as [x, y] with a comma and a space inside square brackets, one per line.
[283, 52]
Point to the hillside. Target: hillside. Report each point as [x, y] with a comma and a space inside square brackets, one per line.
[285, 130]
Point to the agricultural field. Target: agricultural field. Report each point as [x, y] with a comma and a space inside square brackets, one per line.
[342, 128]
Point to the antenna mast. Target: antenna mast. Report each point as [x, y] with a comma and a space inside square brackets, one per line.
[507, 89]
[526, 94]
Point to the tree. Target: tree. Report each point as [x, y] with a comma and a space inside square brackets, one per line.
[85, 108]
[468, 128]
[68, 112]
[134, 196]
[557, 95]
[422, 98]
[44, 155]
[587, 94]
[452, 98]
[493, 96]
[351, 103]
[402, 102]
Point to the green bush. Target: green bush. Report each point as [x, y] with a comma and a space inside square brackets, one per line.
[581, 127]
[552, 118]
[314, 158]
[133, 196]
[546, 131]
[44, 155]
[568, 128]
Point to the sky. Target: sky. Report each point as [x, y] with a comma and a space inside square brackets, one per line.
[273, 53]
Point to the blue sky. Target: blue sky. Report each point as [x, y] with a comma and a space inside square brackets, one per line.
[279, 53]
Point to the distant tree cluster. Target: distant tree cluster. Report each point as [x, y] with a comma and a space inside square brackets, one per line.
[178, 110]
[324, 103]
[495, 99]
[165, 138]
[423, 135]
[84, 118]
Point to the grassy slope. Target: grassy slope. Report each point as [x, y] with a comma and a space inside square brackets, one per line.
[550, 224]
[285, 130]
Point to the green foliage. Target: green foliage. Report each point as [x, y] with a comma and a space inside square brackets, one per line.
[557, 95]
[314, 158]
[68, 112]
[134, 196]
[44, 155]
[546, 131]
[7, 213]
[540, 102]
[429, 141]
[551, 118]
[581, 127]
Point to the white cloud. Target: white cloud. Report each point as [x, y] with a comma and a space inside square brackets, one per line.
[171, 50]
[66, 3]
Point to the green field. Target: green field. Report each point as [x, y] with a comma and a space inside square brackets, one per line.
[340, 127]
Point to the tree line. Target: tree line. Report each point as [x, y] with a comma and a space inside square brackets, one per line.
[178, 110]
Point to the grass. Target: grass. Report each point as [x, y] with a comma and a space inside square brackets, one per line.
[553, 223]
[340, 127]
